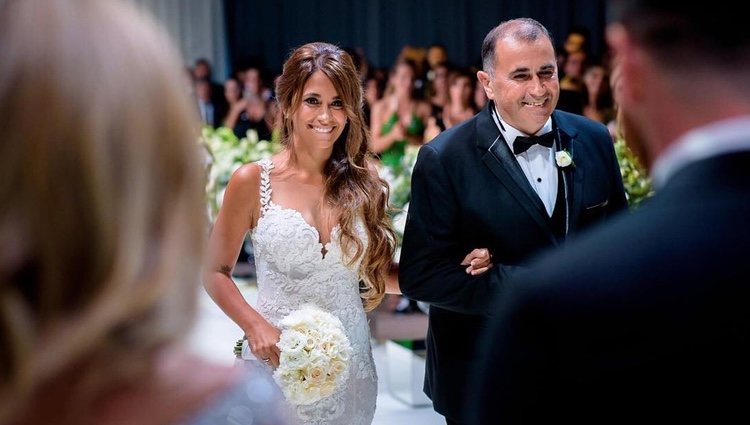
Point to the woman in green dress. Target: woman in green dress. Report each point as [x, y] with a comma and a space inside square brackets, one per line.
[399, 118]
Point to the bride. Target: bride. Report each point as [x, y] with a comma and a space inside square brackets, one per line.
[320, 231]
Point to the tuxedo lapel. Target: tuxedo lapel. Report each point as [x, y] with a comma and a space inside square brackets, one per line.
[573, 176]
[503, 165]
[509, 164]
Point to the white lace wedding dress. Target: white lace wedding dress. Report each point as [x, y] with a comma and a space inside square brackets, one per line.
[293, 270]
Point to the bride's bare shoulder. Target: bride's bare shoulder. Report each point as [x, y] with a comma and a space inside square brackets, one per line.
[248, 174]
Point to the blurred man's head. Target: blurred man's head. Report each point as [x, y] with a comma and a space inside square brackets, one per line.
[681, 66]
[202, 69]
[203, 89]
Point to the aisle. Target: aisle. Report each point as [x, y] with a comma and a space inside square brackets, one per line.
[214, 336]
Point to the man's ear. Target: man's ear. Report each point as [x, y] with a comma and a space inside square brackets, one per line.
[484, 80]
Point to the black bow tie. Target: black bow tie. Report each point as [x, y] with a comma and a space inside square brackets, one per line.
[522, 144]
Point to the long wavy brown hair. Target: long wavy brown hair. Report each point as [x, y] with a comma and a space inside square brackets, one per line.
[351, 187]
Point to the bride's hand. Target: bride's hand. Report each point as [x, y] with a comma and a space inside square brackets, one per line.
[262, 341]
[478, 260]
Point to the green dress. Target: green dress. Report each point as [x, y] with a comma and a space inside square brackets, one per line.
[392, 156]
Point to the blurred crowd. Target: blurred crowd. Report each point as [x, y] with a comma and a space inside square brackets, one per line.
[422, 94]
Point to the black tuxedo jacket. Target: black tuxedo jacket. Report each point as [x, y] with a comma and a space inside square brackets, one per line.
[468, 191]
[643, 320]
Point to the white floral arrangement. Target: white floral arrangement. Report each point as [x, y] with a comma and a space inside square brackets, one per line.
[397, 173]
[225, 153]
[635, 177]
[315, 355]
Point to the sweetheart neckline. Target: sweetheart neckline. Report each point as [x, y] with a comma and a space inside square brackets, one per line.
[323, 245]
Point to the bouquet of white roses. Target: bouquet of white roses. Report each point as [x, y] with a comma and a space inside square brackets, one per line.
[314, 357]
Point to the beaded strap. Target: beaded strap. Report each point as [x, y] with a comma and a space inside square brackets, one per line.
[266, 166]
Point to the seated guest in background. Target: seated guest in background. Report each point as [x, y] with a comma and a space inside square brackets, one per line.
[202, 70]
[572, 95]
[599, 104]
[437, 86]
[102, 228]
[646, 319]
[374, 86]
[437, 54]
[572, 75]
[212, 111]
[232, 91]
[253, 83]
[249, 114]
[399, 117]
[460, 105]
[576, 40]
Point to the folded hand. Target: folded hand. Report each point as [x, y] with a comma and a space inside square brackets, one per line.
[478, 261]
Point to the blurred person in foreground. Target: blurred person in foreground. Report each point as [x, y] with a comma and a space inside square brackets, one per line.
[517, 178]
[102, 228]
[646, 319]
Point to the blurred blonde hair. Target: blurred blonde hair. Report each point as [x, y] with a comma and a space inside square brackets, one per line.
[101, 197]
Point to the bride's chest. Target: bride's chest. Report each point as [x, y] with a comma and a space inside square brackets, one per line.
[283, 239]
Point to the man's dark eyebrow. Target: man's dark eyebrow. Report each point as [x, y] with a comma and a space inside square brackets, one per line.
[520, 70]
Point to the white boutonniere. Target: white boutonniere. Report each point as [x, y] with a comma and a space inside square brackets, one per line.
[564, 159]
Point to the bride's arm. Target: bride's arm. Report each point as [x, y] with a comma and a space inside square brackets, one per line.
[239, 212]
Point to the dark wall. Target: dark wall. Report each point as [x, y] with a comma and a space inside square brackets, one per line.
[266, 31]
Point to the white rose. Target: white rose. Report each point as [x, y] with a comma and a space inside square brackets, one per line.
[338, 367]
[291, 341]
[315, 375]
[293, 360]
[563, 159]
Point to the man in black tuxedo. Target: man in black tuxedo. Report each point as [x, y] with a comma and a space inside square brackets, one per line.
[485, 184]
[646, 319]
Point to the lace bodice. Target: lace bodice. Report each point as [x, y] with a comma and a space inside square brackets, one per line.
[295, 268]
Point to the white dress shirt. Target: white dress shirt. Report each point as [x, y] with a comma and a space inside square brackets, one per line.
[726, 136]
[537, 163]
